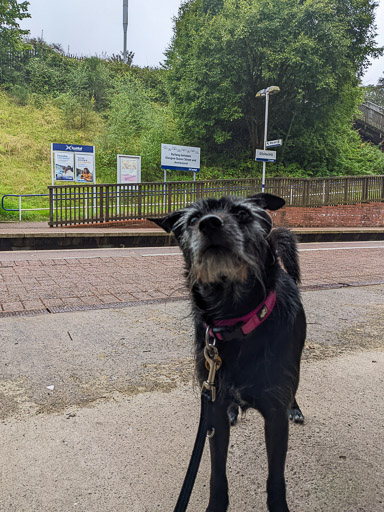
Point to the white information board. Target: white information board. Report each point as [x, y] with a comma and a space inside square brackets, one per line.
[128, 169]
[180, 158]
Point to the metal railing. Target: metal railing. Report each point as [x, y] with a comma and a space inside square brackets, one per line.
[372, 115]
[20, 209]
[92, 204]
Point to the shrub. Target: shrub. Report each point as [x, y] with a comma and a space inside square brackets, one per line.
[19, 94]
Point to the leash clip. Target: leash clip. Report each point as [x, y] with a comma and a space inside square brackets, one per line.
[212, 362]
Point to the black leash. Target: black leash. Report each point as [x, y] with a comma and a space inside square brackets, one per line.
[208, 396]
[194, 463]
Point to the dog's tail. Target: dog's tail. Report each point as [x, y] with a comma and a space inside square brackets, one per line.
[285, 244]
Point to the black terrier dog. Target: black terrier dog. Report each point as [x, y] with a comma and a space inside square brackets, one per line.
[243, 278]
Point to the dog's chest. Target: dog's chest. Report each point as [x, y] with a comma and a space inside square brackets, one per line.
[253, 372]
[243, 374]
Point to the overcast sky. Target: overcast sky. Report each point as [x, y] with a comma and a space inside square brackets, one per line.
[88, 27]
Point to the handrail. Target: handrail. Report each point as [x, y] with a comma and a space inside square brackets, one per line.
[19, 209]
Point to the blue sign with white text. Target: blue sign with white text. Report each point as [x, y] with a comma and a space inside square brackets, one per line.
[178, 168]
[73, 148]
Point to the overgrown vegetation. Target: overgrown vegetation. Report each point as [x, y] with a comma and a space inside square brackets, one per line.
[222, 53]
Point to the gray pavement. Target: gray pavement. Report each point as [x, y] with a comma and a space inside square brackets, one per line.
[98, 407]
[99, 411]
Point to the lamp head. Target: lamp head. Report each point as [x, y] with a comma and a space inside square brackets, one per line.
[273, 89]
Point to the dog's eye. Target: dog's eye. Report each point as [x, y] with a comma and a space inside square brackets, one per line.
[243, 215]
[192, 220]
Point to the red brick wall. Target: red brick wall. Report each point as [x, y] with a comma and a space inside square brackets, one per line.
[354, 215]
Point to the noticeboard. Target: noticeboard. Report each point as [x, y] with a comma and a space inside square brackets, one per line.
[180, 158]
[128, 169]
[71, 162]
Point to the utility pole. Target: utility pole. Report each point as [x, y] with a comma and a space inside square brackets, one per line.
[125, 29]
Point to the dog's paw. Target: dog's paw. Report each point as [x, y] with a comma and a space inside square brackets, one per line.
[296, 415]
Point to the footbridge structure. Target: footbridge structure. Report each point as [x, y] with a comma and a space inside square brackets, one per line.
[370, 122]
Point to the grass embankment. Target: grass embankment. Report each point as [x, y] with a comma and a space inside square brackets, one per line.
[26, 133]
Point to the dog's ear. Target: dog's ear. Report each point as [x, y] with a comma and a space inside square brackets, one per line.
[267, 201]
[167, 222]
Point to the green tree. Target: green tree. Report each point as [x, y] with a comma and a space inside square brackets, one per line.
[45, 68]
[224, 51]
[11, 12]
[11, 35]
[375, 93]
[136, 125]
[153, 79]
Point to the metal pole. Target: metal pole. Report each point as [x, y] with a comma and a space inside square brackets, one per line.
[265, 138]
[125, 29]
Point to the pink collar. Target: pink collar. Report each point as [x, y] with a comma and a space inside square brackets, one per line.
[249, 322]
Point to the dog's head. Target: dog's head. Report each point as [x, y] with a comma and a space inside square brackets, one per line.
[223, 239]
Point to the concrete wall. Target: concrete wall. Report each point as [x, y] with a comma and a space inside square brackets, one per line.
[354, 215]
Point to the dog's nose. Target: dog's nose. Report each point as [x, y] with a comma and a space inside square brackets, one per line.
[209, 223]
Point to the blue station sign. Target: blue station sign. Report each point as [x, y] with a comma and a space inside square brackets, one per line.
[73, 148]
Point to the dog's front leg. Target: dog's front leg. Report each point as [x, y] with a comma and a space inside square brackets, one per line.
[276, 438]
[218, 444]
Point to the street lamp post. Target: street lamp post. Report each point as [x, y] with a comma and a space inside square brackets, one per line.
[273, 89]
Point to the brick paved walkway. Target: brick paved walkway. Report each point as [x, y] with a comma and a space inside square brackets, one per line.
[344, 267]
[53, 285]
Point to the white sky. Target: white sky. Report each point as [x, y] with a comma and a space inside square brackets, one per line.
[88, 27]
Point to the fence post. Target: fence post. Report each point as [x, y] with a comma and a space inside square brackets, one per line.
[50, 206]
[364, 193]
[101, 199]
[139, 199]
[305, 192]
[170, 187]
[107, 203]
[327, 186]
[346, 189]
[382, 187]
[199, 190]
[278, 188]
[252, 188]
